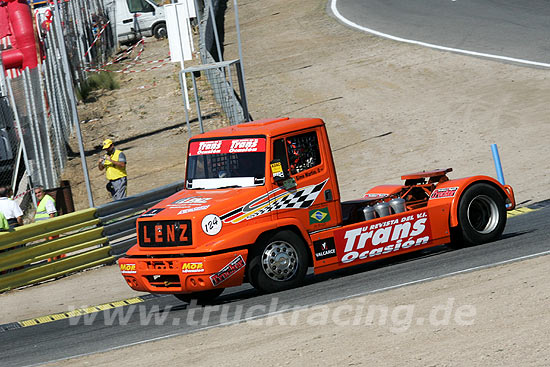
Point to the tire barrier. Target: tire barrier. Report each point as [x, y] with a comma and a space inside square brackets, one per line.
[76, 241]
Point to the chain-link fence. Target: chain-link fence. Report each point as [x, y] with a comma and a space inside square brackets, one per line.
[38, 105]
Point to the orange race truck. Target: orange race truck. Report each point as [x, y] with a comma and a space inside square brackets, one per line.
[261, 204]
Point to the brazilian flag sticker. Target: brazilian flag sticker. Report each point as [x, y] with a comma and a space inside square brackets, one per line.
[319, 216]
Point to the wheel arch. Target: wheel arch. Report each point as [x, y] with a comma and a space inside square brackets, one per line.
[288, 227]
[505, 191]
[156, 24]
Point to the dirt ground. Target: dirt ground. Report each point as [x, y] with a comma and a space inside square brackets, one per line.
[391, 109]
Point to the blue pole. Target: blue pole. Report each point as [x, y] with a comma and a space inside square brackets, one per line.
[498, 166]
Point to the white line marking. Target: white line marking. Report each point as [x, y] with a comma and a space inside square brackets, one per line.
[443, 48]
[338, 299]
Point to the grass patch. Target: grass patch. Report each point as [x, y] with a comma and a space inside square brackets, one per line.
[101, 80]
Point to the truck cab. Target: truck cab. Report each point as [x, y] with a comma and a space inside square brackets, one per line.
[137, 18]
[261, 204]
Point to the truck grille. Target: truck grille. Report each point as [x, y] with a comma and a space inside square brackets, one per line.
[164, 233]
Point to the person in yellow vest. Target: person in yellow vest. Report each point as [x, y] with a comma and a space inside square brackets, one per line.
[45, 208]
[114, 163]
[4, 226]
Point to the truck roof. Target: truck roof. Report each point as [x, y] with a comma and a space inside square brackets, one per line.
[267, 127]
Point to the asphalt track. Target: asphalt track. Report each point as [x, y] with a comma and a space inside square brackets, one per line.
[155, 318]
[507, 30]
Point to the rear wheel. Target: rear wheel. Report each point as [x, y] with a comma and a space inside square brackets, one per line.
[279, 262]
[481, 214]
[159, 31]
[200, 297]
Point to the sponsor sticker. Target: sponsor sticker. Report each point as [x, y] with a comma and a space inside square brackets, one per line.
[165, 233]
[151, 212]
[192, 267]
[324, 248]
[245, 145]
[443, 193]
[195, 209]
[319, 216]
[228, 271]
[277, 169]
[128, 268]
[385, 236]
[192, 200]
[211, 224]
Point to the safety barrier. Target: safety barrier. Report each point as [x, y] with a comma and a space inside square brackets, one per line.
[119, 217]
[27, 251]
[58, 246]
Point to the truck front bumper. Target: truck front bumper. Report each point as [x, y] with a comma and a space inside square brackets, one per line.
[184, 274]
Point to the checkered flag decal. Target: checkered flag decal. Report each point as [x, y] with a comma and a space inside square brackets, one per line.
[300, 199]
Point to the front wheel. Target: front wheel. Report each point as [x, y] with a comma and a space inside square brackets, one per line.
[201, 297]
[279, 262]
[481, 214]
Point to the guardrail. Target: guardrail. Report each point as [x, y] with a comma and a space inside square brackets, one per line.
[73, 242]
[119, 217]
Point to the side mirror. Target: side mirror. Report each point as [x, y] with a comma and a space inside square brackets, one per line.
[277, 170]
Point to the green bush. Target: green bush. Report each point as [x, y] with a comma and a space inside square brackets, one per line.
[101, 80]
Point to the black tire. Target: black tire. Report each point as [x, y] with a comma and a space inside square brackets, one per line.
[203, 297]
[159, 31]
[481, 215]
[278, 262]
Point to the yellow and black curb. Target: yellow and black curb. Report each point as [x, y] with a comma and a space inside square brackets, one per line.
[76, 312]
[520, 211]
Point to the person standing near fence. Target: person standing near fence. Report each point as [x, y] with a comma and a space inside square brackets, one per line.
[11, 210]
[114, 163]
[45, 205]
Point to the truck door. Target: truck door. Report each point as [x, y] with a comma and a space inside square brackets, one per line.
[314, 199]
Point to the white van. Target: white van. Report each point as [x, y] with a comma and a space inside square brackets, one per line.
[137, 18]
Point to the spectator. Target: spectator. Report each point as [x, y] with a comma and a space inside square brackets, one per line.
[114, 163]
[4, 226]
[11, 210]
[45, 208]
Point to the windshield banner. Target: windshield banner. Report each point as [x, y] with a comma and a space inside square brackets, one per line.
[245, 145]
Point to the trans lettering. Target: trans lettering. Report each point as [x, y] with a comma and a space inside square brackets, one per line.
[384, 237]
[209, 147]
[243, 145]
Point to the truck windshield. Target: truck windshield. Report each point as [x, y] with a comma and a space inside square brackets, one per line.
[222, 163]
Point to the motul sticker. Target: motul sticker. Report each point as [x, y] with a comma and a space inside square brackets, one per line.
[383, 237]
[443, 193]
[228, 271]
[246, 145]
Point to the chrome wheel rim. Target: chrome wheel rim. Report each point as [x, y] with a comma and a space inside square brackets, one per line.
[280, 261]
[483, 214]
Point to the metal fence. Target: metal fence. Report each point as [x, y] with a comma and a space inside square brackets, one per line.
[38, 106]
[225, 77]
[226, 83]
